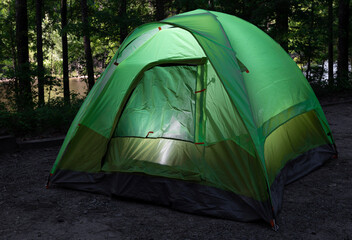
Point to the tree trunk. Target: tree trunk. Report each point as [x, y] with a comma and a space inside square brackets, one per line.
[65, 51]
[322, 71]
[24, 100]
[246, 11]
[211, 5]
[160, 10]
[308, 67]
[342, 60]
[330, 45]
[123, 22]
[12, 36]
[14, 57]
[309, 47]
[86, 39]
[40, 67]
[282, 12]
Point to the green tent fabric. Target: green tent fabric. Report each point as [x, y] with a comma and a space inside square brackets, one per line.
[202, 112]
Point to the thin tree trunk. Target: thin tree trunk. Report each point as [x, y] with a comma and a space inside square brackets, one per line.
[12, 36]
[40, 67]
[308, 67]
[322, 71]
[282, 12]
[211, 5]
[246, 12]
[14, 59]
[24, 100]
[309, 52]
[123, 16]
[65, 51]
[330, 45]
[342, 60]
[86, 39]
[160, 10]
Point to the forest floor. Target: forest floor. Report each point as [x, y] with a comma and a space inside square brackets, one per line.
[318, 206]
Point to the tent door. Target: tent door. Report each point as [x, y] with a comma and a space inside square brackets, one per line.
[168, 102]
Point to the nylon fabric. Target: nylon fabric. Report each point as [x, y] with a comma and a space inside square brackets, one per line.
[84, 153]
[138, 32]
[200, 113]
[158, 157]
[211, 31]
[86, 106]
[274, 79]
[292, 139]
[139, 41]
[224, 165]
[99, 109]
[223, 120]
[225, 63]
[183, 47]
[203, 98]
[297, 168]
[181, 195]
[162, 104]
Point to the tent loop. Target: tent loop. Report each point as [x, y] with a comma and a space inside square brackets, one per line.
[150, 132]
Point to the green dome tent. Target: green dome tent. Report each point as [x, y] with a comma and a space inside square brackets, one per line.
[202, 112]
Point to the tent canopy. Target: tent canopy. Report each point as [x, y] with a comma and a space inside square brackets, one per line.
[186, 108]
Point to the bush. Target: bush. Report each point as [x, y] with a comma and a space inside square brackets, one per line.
[54, 117]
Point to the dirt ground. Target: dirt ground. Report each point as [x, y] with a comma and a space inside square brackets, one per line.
[318, 206]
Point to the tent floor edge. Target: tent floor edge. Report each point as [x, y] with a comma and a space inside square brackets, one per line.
[298, 168]
[184, 196]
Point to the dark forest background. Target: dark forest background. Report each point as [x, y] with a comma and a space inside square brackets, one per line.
[44, 43]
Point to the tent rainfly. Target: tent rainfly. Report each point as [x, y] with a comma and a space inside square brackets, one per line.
[202, 112]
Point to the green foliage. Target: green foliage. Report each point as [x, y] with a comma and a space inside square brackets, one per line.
[54, 117]
[307, 44]
[7, 39]
[308, 31]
